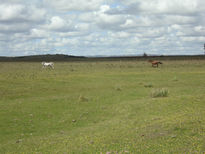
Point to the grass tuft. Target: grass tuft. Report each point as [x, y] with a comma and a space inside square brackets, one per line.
[160, 92]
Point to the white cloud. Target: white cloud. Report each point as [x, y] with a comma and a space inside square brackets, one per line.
[18, 28]
[59, 24]
[38, 33]
[121, 34]
[107, 21]
[182, 7]
[87, 17]
[82, 26]
[176, 7]
[73, 5]
[20, 13]
[11, 12]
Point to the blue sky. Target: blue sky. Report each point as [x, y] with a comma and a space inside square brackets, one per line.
[102, 27]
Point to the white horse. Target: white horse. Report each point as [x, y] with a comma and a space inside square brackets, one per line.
[47, 64]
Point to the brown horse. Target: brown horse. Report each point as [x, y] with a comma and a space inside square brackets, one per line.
[155, 63]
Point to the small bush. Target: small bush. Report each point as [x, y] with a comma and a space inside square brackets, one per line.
[160, 92]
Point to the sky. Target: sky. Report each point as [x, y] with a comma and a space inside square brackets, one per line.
[102, 27]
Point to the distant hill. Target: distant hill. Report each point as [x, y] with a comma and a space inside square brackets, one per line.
[47, 57]
[62, 57]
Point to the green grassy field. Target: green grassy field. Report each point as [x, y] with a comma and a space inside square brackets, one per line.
[101, 107]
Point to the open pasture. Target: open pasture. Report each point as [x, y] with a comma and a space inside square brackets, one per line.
[101, 107]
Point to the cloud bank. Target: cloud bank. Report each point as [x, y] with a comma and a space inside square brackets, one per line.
[98, 27]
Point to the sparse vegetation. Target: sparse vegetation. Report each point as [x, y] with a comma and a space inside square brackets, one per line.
[102, 107]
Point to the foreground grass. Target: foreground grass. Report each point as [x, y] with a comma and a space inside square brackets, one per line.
[102, 107]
